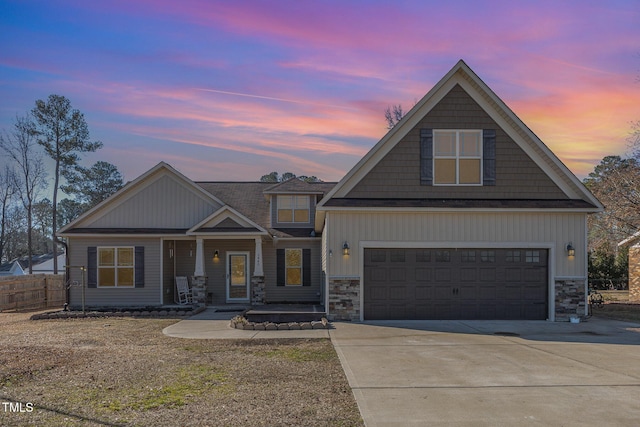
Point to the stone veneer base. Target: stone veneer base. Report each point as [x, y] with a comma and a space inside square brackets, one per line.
[634, 274]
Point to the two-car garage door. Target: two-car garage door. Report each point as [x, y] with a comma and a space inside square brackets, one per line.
[455, 284]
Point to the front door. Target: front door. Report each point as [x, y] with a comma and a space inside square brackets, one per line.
[238, 276]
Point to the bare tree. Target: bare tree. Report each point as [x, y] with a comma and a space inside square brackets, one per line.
[616, 183]
[7, 192]
[20, 146]
[393, 115]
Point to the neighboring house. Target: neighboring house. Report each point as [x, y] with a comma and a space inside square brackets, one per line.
[459, 212]
[12, 268]
[42, 264]
[633, 243]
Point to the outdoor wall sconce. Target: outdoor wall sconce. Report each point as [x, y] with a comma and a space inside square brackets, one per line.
[216, 256]
[570, 250]
[345, 249]
[330, 253]
[170, 250]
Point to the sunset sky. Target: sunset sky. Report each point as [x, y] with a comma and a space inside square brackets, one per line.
[232, 90]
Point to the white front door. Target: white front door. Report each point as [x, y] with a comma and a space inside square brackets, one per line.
[238, 277]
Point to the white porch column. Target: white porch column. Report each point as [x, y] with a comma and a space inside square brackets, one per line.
[199, 258]
[258, 270]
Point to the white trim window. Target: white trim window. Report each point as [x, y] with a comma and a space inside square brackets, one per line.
[457, 157]
[293, 208]
[116, 267]
[293, 267]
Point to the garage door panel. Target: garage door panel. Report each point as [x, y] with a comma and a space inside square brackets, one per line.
[468, 274]
[424, 293]
[424, 274]
[442, 275]
[398, 293]
[455, 284]
[487, 275]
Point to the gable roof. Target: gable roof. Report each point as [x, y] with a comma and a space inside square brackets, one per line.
[131, 189]
[227, 220]
[463, 76]
[297, 186]
[248, 199]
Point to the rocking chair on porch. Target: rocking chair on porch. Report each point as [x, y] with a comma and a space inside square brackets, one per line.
[183, 290]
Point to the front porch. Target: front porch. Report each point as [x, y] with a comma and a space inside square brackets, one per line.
[219, 271]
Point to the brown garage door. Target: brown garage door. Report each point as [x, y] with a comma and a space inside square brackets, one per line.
[455, 284]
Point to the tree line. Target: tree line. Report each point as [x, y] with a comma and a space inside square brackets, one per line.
[56, 132]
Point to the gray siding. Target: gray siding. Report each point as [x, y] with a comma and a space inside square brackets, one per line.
[149, 295]
[165, 203]
[397, 175]
[276, 293]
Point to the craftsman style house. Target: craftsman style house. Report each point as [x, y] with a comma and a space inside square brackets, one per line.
[459, 212]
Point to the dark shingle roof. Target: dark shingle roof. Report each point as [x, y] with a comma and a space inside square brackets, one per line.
[249, 199]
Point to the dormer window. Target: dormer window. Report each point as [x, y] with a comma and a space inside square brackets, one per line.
[293, 208]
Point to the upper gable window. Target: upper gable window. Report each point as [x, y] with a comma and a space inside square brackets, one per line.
[292, 208]
[457, 157]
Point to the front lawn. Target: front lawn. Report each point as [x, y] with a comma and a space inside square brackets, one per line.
[122, 371]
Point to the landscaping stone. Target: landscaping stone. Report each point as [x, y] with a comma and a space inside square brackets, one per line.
[305, 325]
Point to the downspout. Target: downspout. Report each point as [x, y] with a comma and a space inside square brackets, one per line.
[66, 270]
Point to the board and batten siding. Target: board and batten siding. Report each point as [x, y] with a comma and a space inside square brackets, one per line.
[275, 293]
[165, 203]
[148, 295]
[449, 228]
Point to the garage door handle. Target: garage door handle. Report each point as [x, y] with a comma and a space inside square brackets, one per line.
[456, 291]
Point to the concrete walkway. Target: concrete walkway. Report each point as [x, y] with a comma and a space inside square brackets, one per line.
[212, 324]
[475, 373]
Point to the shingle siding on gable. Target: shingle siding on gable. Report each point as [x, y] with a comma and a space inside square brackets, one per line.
[397, 175]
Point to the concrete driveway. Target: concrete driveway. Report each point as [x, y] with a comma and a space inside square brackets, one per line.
[492, 373]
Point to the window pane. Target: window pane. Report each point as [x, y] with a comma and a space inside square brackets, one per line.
[302, 202]
[470, 143]
[487, 256]
[125, 256]
[469, 171]
[125, 277]
[301, 215]
[285, 202]
[238, 270]
[445, 171]
[106, 277]
[294, 276]
[444, 143]
[293, 257]
[106, 257]
[285, 215]
[468, 256]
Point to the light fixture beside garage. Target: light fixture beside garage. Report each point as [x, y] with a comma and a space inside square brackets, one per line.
[570, 250]
[345, 249]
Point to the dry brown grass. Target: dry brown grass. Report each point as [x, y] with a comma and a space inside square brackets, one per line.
[619, 311]
[121, 371]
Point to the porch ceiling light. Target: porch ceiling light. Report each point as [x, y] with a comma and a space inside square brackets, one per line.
[345, 249]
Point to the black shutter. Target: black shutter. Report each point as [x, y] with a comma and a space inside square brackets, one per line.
[92, 267]
[306, 267]
[139, 273]
[426, 156]
[280, 267]
[489, 157]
